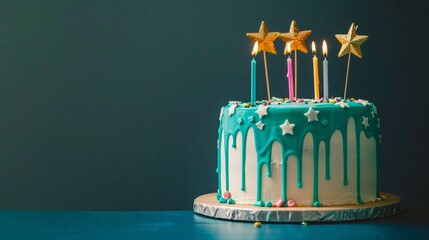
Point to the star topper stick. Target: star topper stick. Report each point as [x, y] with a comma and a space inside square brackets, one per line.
[350, 43]
[296, 39]
[265, 41]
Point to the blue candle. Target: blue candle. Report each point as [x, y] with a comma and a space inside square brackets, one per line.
[253, 82]
[253, 75]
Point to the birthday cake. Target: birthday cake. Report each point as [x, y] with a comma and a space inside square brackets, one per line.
[307, 153]
[299, 159]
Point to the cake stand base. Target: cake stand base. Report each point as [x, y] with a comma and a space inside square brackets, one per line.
[208, 205]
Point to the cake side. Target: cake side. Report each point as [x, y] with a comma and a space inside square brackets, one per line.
[313, 153]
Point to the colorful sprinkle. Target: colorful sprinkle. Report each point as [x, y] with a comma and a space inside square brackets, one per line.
[226, 195]
[279, 203]
[316, 204]
[257, 224]
[291, 203]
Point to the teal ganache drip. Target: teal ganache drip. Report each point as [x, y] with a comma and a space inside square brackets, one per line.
[331, 117]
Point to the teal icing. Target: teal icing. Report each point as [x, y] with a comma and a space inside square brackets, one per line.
[331, 118]
[259, 204]
[316, 204]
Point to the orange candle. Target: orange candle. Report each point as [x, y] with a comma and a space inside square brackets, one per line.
[315, 72]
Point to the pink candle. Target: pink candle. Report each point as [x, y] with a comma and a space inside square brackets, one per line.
[289, 74]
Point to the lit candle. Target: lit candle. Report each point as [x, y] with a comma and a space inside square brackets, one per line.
[325, 72]
[289, 73]
[253, 75]
[315, 72]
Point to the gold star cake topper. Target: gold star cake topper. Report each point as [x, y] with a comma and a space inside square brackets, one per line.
[350, 42]
[264, 38]
[265, 42]
[296, 38]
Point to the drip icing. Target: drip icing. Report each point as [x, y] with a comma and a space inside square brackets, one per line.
[320, 120]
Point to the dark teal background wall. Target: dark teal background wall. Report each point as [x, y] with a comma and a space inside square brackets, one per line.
[114, 104]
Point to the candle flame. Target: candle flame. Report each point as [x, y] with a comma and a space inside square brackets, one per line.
[325, 49]
[255, 48]
[287, 48]
[313, 47]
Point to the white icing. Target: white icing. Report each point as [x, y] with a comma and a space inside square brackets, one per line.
[330, 191]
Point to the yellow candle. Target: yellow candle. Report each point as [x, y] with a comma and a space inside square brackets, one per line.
[315, 72]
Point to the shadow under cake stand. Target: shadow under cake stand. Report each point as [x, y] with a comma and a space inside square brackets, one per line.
[208, 205]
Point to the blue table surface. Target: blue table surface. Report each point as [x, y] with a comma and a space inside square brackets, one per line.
[408, 224]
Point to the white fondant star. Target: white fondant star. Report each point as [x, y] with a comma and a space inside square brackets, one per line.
[232, 109]
[287, 127]
[342, 104]
[311, 115]
[260, 125]
[363, 102]
[262, 110]
[365, 122]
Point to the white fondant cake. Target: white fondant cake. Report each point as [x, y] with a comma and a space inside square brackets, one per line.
[304, 153]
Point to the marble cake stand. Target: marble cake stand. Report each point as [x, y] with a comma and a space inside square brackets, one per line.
[208, 205]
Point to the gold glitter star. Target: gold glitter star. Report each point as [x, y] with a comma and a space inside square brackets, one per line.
[296, 38]
[350, 42]
[264, 38]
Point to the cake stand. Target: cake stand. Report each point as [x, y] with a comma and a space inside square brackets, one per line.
[208, 205]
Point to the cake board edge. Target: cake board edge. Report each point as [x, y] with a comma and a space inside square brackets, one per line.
[208, 205]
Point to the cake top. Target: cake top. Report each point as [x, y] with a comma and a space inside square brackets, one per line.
[343, 103]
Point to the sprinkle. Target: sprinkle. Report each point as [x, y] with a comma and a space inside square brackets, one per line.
[230, 201]
[383, 197]
[279, 203]
[268, 204]
[304, 223]
[226, 195]
[316, 204]
[291, 203]
[257, 224]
